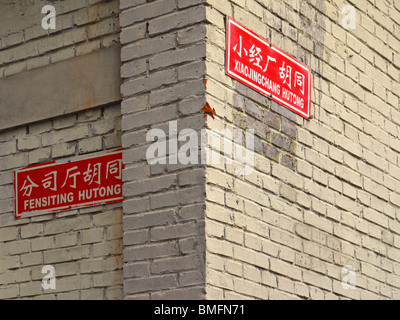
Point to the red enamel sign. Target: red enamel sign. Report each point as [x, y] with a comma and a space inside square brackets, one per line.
[263, 67]
[53, 187]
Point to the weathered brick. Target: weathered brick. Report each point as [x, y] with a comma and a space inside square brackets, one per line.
[150, 82]
[151, 251]
[8, 147]
[9, 291]
[191, 34]
[150, 219]
[150, 284]
[192, 245]
[181, 197]
[112, 247]
[136, 270]
[62, 226]
[144, 12]
[190, 293]
[16, 247]
[63, 149]
[176, 92]
[92, 235]
[66, 254]
[90, 145]
[32, 230]
[53, 241]
[108, 217]
[179, 56]
[335, 174]
[136, 237]
[7, 234]
[146, 118]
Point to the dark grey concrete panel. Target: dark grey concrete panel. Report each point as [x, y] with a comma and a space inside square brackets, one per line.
[69, 86]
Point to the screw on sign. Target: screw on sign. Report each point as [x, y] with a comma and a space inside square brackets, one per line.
[263, 67]
[52, 187]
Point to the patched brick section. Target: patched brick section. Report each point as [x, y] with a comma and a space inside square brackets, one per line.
[81, 27]
[83, 245]
[275, 134]
[163, 66]
[323, 193]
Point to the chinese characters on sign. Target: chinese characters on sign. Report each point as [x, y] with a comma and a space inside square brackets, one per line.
[55, 187]
[256, 63]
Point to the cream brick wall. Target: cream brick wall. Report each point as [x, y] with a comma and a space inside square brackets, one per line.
[331, 198]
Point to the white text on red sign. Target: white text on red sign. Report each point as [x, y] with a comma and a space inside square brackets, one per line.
[253, 61]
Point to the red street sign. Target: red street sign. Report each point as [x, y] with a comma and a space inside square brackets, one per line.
[53, 187]
[263, 67]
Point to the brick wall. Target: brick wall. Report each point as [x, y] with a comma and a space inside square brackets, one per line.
[163, 63]
[81, 53]
[325, 192]
[84, 245]
[82, 26]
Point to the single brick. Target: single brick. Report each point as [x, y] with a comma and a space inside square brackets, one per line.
[150, 284]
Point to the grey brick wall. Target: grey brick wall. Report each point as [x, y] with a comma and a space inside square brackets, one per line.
[324, 193]
[163, 63]
[83, 245]
[81, 54]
